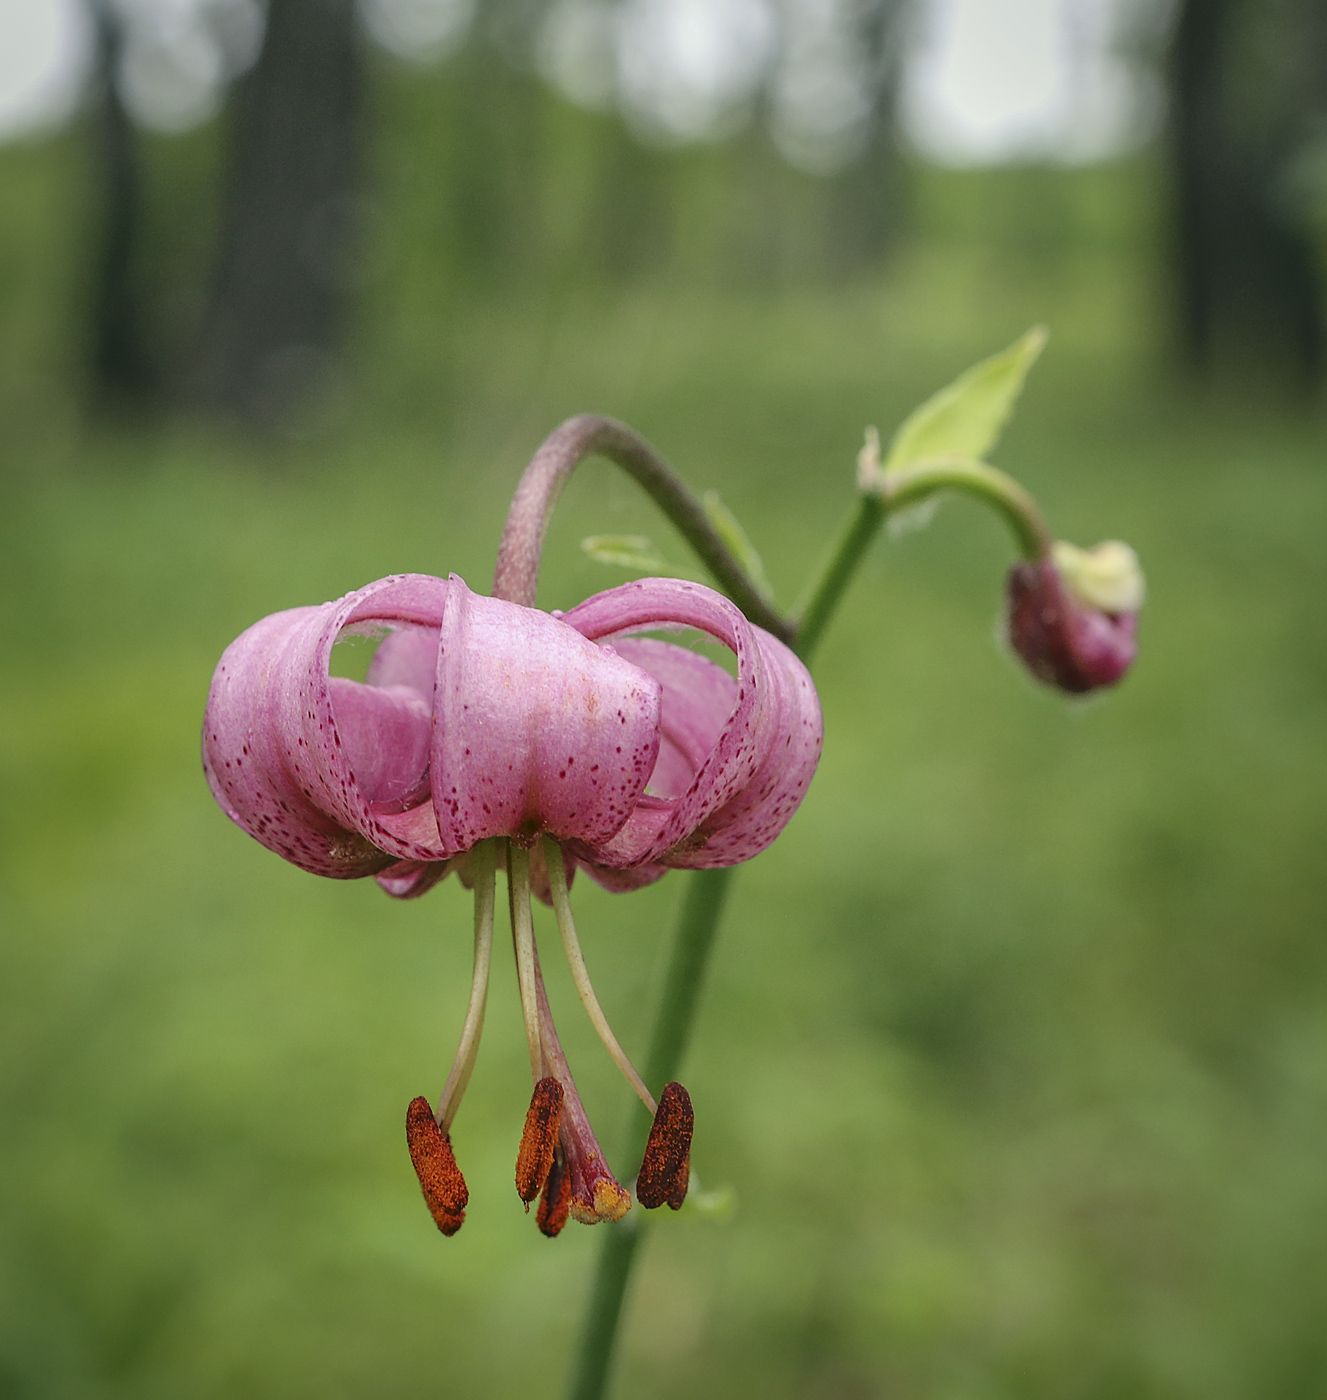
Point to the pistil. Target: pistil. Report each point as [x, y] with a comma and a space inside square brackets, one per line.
[593, 1193]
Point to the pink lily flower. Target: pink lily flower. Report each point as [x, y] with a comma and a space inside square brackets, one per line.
[570, 740]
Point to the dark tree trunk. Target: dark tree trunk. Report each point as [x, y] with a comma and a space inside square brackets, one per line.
[867, 196]
[118, 360]
[1243, 85]
[285, 263]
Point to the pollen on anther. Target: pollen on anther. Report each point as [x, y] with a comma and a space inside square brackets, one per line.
[440, 1178]
[539, 1140]
[555, 1203]
[665, 1170]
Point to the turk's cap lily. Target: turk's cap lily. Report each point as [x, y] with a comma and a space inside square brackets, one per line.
[1073, 617]
[480, 718]
[485, 726]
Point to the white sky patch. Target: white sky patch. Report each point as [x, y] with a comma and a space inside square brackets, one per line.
[998, 80]
[180, 55]
[986, 81]
[821, 89]
[44, 51]
[686, 66]
[422, 31]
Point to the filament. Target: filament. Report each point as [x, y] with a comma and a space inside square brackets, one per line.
[557, 879]
[482, 862]
[522, 934]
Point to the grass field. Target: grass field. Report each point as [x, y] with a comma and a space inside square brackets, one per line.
[1015, 1049]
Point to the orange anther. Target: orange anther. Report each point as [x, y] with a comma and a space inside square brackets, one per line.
[539, 1140]
[555, 1203]
[666, 1168]
[440, 1178]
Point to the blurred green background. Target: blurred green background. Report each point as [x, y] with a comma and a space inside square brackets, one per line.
[1015, 1048]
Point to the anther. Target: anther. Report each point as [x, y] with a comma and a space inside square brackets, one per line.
[440, 1178]
[666, 1168]
[539, 1140]
[555, 1203]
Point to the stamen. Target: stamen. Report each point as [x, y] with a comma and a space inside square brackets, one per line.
[539, 1140]
[440, 1178]
[483, 861]
[594, 1194]
[557, 880]
[666, 1169]
[555, 1203]
[522, 933]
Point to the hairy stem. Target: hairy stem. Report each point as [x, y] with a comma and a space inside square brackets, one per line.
[517, 575]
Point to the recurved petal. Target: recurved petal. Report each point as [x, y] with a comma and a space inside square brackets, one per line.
[300, 762]
[624, 880]
[385, 737]
[408, 879]
[536, 729]
[751, 745]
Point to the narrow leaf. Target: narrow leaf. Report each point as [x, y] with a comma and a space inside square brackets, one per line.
[736, 538]
[633, 552]
[967, 416]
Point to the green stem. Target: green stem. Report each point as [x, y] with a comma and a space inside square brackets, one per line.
[907, 485]
[707, 889]
[686, 973]
[841, 564]
[897, 489]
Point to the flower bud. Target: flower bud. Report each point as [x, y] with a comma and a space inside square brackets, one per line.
[1073, 618]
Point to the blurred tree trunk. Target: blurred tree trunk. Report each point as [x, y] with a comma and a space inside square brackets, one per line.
[285, 263]
[1245, 77]
[120, 367]
[866, 200]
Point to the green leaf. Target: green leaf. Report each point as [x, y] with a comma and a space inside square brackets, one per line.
[730, 530]
[966, 417]
[633, 552]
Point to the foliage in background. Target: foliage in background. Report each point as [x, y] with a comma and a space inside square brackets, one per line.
[1015, 1056]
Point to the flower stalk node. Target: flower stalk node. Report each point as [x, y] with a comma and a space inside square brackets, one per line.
[539, 1140]
[665, 1170]
[440, 1178]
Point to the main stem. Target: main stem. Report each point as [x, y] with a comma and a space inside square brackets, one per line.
[686, 974]
[516, 578]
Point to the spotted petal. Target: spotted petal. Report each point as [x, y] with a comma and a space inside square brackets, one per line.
[738, 755]
[324, 771]
[536, 729]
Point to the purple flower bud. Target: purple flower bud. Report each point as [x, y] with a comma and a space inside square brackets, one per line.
[1073, 619]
